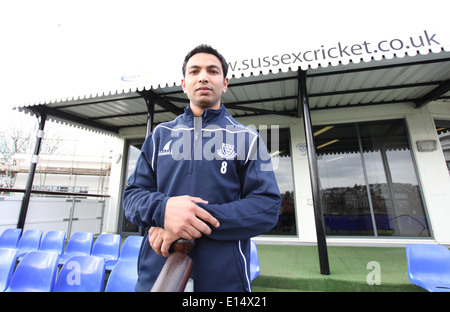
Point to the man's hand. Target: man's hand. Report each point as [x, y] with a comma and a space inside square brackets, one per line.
[161, 240]
[187, 220]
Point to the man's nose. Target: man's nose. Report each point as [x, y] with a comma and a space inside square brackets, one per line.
[203, 77]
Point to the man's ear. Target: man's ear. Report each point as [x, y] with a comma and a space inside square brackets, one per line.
[183, 85]
[225, 85]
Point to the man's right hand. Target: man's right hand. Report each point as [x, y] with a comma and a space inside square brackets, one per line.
[187, 220]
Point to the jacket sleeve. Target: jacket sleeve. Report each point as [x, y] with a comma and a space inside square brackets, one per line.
[143, 205]
[257, 211]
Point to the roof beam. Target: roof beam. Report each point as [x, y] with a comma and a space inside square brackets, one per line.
[443, 88]
[157, 99]
[262, 111]
[57, 114]
[374, 89]
[258, 101]
[118, 116]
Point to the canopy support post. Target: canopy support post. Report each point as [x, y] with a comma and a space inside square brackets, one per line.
[42, 117]
[314, 172]
[150, 115]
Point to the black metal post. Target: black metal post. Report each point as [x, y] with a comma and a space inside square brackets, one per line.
[150, 116]
[34, 160]
[314, 174]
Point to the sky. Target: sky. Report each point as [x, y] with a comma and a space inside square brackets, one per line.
[59, 49]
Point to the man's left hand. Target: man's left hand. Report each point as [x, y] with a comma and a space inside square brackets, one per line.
[161, 240]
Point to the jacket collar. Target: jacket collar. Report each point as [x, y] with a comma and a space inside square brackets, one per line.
[208, 114]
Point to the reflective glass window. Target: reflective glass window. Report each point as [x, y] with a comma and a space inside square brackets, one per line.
[369, 184]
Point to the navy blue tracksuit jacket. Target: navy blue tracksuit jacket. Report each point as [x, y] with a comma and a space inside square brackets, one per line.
[220, 160]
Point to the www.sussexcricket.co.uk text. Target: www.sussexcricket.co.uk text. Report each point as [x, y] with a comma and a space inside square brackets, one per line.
[338, 51]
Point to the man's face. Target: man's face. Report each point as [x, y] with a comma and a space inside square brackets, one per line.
[204, 82]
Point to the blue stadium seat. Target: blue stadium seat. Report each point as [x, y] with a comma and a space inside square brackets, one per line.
[7, 263]
[30, 241]
[81, 274]
[130, 251]
[123, 277]
[36, 272]
[79, 244]
[53, 241]
[429, 266]
[107, 246]
[10, 238]
[254, 261]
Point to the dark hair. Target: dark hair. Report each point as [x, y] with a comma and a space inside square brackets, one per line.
[204, 48]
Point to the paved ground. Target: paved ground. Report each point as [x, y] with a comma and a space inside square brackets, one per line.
[296, 268]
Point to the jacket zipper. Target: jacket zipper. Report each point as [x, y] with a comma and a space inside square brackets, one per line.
[196, 152]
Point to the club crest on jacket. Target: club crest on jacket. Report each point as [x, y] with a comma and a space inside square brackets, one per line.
[227, 151]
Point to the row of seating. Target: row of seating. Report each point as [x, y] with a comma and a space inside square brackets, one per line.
[83, 261]
[106, 246]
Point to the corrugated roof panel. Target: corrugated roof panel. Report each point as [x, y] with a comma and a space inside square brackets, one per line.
[324, 101]
[128, 121]
[88, 110]
[163, 117]
[238, 93]
[230, 96]
[408, 75]
[420, 92]
[128, 106]
[375, 78]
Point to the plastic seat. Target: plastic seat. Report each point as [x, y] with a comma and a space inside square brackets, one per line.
[79, 244]
[36, 272]
[254, 261]
[123, 277]
[81, 274]
[7, 263]
[429, 266]
[130, 251]
[107, 246]
[30, 241]
[53, 241]
[10, 238]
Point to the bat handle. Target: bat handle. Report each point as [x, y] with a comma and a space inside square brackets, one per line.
[183, 245]
[177, 269]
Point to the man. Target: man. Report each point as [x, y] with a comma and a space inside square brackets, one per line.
[206, 177]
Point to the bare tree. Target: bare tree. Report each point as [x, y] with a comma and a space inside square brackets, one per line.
[13, 140]
[19, 138]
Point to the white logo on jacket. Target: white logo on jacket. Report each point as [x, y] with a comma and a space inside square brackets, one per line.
[227, 151]
[166, 149]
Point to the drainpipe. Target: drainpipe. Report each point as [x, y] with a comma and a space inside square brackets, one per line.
[314, 173]
[42, 116]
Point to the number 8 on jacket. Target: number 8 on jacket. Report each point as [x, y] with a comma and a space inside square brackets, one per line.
[223, 168]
